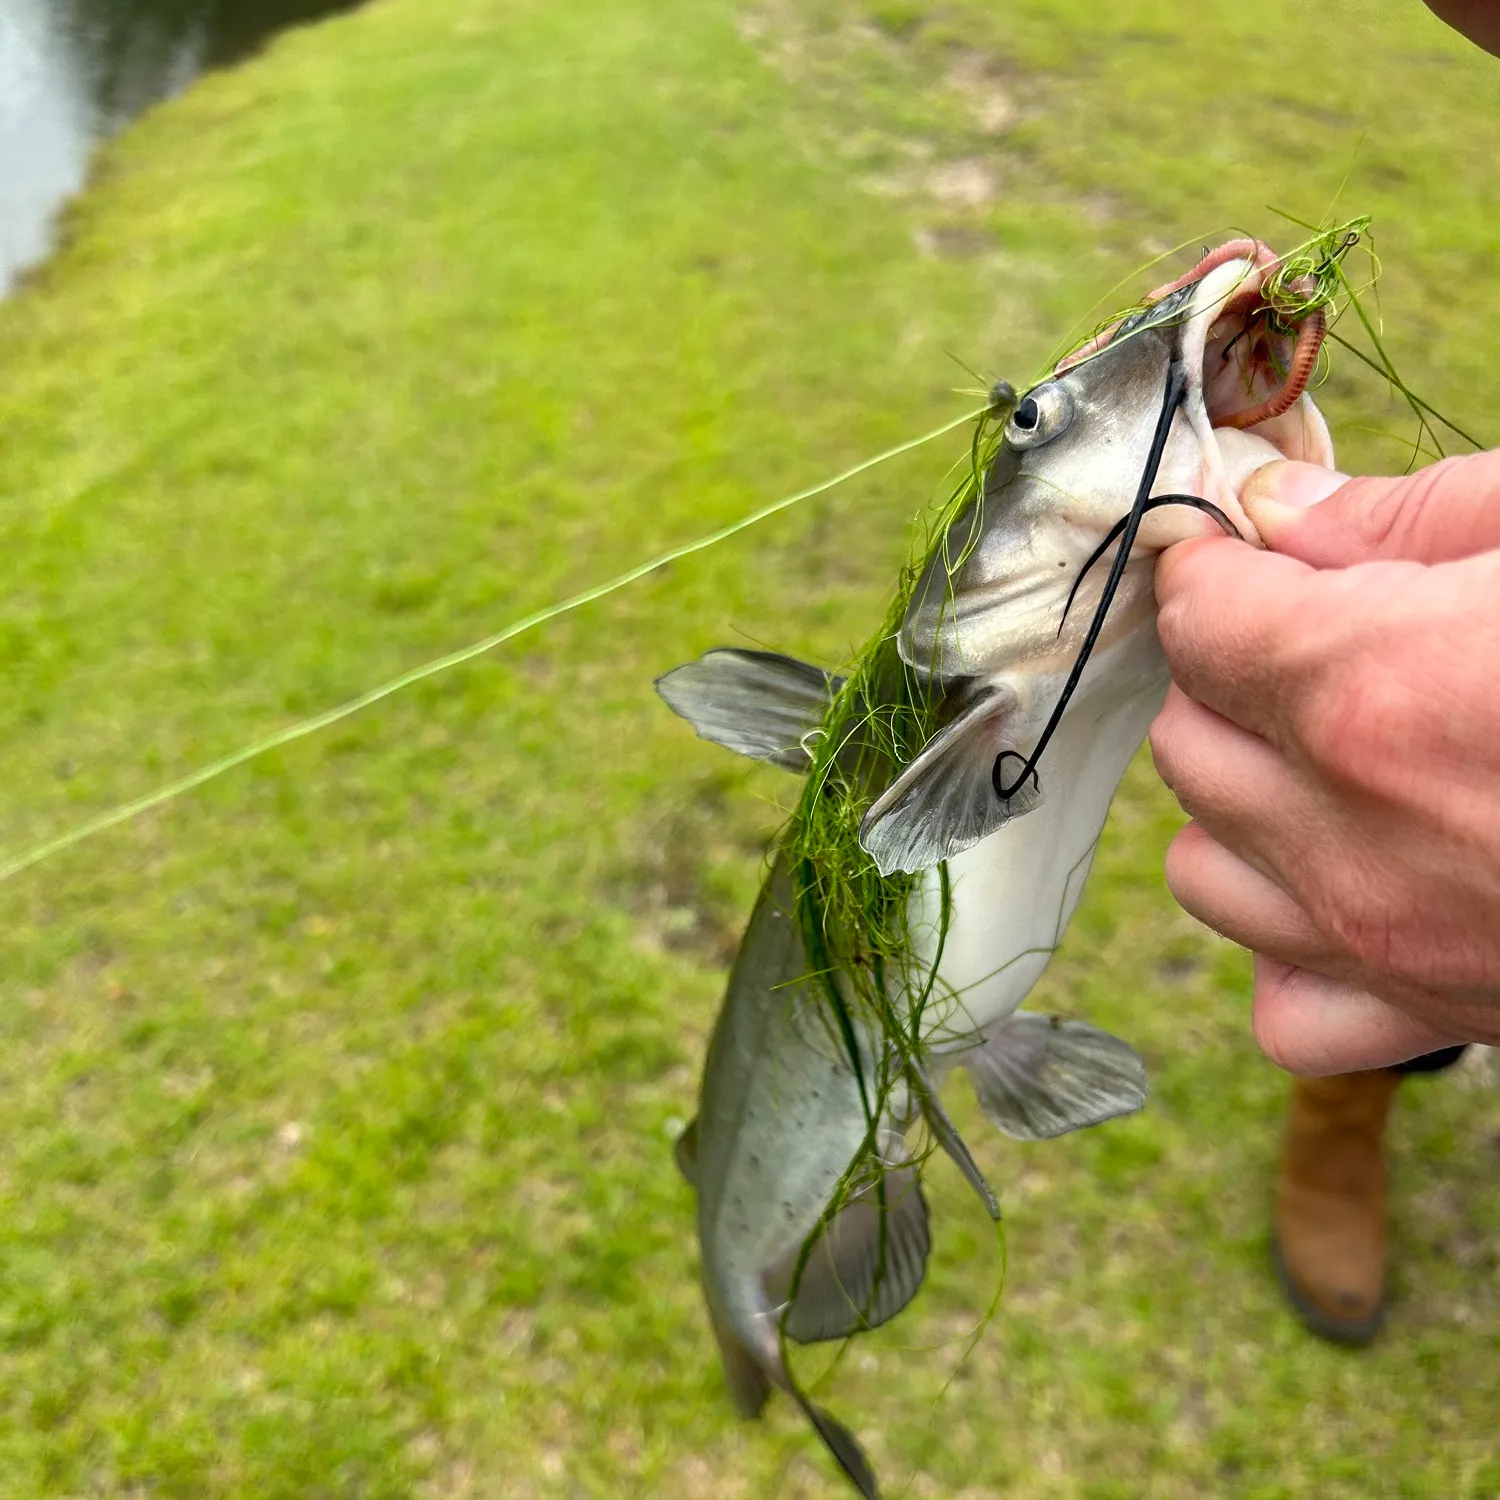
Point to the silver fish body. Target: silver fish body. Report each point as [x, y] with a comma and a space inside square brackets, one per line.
[996, 620]
[1000, 850]
[1004, 925]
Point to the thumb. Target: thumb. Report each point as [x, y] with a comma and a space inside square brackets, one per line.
[1446, 511]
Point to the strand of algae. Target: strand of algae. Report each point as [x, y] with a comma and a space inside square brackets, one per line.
[853, 919]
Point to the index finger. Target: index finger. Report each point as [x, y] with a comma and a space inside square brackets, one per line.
[1228, 616]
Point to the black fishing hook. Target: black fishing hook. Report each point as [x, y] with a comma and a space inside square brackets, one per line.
[1259, 312]
[1176, 389]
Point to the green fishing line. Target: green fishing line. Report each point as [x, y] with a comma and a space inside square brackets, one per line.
[305, 727]
[829, 832]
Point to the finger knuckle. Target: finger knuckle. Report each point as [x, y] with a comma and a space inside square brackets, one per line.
[1390, 517]
[1393, 939]
[1178, 869]
[1366, 922]
[1345, 719]
[1165, 739]
[1385, 519]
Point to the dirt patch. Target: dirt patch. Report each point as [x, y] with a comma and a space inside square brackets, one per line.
[971, 144]
[988, 97]
[686, 890]
[968, 183]
[951, 241]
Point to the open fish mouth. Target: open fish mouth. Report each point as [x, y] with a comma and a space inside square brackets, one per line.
[1261, 350]
[1251, 329]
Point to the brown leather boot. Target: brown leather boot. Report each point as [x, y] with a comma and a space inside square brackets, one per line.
[1330, 1239]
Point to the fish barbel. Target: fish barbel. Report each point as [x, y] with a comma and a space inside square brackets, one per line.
[979, 745]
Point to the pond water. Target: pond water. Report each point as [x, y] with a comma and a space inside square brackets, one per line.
[73, 71]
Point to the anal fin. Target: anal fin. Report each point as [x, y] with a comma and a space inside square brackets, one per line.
[866, 1264]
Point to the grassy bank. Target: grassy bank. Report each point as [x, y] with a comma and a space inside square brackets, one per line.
[337, 1098]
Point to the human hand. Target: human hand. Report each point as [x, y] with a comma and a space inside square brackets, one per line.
[1334, 733]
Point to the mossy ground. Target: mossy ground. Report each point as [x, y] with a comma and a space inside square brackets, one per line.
[337, 1098]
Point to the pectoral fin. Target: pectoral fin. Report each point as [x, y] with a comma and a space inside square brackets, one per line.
[948, 798]
[757, 703]
[867, 1263]
[1037, 1077]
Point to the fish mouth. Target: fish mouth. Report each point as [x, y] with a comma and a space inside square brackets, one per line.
[1249, 328]
[1259, 350]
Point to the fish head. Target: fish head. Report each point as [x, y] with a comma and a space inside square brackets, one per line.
[998, 592]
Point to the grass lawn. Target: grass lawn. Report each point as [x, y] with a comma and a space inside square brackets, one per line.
[337, 1097]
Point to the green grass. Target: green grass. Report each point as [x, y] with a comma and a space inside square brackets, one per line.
[337, 1097]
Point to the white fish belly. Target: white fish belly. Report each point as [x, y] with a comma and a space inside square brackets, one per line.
[1014, 893]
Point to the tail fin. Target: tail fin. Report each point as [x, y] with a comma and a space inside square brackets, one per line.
[841, 1443]
[750, 1373]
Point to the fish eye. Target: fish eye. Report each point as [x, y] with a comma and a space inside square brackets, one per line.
[1040, 415]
